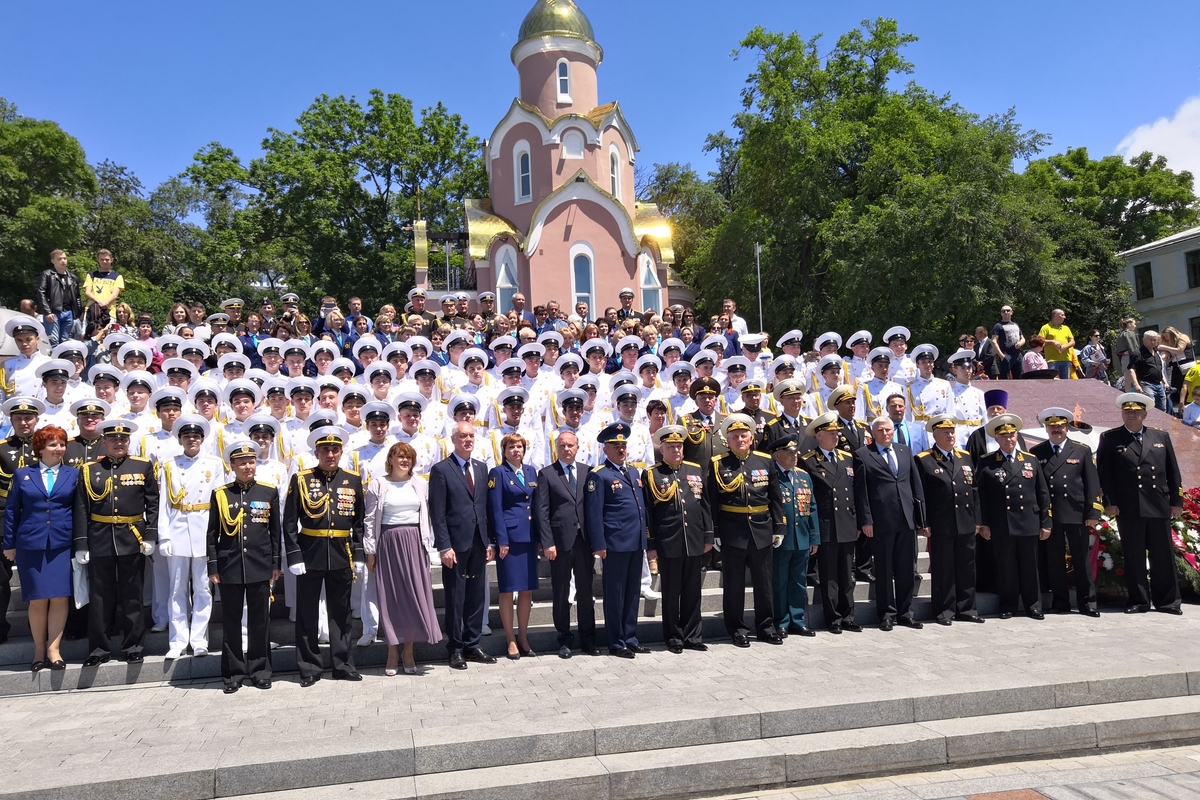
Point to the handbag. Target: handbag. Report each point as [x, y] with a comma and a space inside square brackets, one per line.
[79, 579]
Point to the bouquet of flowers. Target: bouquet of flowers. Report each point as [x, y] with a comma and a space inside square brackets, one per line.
[1108, 557]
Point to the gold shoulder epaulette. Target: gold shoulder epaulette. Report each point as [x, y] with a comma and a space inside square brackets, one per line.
[809, 454]
[774, 421]
[923, 454]
[718, 458]
[761, 453]
[959, 451]
[354, 472]
[143, 459]
[692, 464]
[268, 485]
[304, 472]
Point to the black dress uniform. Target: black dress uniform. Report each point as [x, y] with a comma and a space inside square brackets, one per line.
[680, 525]
[747, 515]
[79, 452]
[15, 453]
[780, 427]
[855, 435]
[116, 510]
[833, 488]
[704, 439]
[1014, 502]
[1074, 486]
[1140, 476]
[952, 515]
[323, 529]
[243, 550]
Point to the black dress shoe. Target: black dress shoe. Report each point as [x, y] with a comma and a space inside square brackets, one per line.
[230, 688]
[513, 656]
[309, 681]
[1137, 609]
[639, 648]
[783, 633]
[741, 640]
[909, 622]
[621, 652]
[886, 625]
[478, 656]
[353, 677]
[457, 661]
[835, 628]
[675, 648]
[525, 652]
[1090, 612]
[853, 627]
[38, 666]
[801, 630]
[262, 684]
[700, 647]
[134, 658]
[564, 652]
[58, 665]
[95, 661]
[770, 638]
[1172, 610]
[1005, 615]
[968, 618]
[1035, 615]
[943, 621]
[591, 649]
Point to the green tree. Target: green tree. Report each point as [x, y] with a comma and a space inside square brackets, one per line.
[327, 205]
[693, 205]
[44, 184]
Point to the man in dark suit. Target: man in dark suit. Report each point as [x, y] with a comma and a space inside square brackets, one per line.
[890, 504]
[952, 519]
[1014, 505]
[1075, 499]
[1144, 491]
[616, 524]
[560, 517]
[832, 473]
[458, 515]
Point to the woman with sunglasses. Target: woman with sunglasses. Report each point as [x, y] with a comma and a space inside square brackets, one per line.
[1092, 358]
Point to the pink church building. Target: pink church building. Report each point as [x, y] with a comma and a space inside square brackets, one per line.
[561, 222]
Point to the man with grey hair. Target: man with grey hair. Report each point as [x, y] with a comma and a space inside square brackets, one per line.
[890, 503]
[1145, 374]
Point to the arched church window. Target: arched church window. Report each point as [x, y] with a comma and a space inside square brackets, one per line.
[572, 143]
[614, 172]
[651, 287]
[523, 172]
[564, 81]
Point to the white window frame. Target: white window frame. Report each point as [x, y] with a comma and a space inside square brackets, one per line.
[507, 283]
[521, 148]
[614, 171]
[648, 282]
[589, 297]
[560, 79]
[573, 133]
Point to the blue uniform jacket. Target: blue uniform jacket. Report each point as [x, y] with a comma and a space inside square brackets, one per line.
[616, 510]
[799, 511]
[510, 505]
[33, 521]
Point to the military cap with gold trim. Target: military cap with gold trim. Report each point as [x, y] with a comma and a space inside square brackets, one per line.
[321, 418]
[626, 392]
[831, 361]
[736, 364]
[204, 387]
[789, 442]
[859, 337]
[569, 397]
[1134, 400]
[301, 385]
[464, 402]
[704, 386]
[938, 421]
[117, 427]
[1003, 423]
[414, 400]
[367, 343]
[791, 337]
[352, 391]
[670, 434]
[191, 423]
[23, 405]
[417, 292]
[840, 394]
[829, 337]
[179, 367]
[377, 409]
[168, 396]
[381, 368]
[880, 354]
[513, 395]
[194, 347]
[826, 422]
[426, 367]
[262, 422]
[783, 362]
[616, 433]
[512, 366]
[789, 388]
[243, 386]
[924, 351]
[138, 376]
[217, 319]
[71, 347]
[753, 385]
[1055, 416]
[738, 422]
[474, 354]
[326, 435]
[233, 302]
[55, 368]
[240, 449]
[90, 405]
[134, 349]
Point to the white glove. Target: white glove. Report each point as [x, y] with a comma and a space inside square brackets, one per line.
[717, 544]
[147, 548]
[164, 547]
[776, 541]
[83, 557]
[298, 569]
[360, 567]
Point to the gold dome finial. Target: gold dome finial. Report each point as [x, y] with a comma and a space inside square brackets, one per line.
[556, 18]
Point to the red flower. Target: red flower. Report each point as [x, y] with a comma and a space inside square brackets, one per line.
[1119, 571]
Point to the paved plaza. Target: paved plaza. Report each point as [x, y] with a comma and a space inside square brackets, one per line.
[159, 740]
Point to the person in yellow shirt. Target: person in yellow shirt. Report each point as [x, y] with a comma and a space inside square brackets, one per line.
[103, 285]
[1191, 383]
[1059, 343]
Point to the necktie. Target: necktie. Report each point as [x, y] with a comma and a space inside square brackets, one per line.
[1056, 449]
[571, 477]
[891, 460]
[49, 480]
[521, 476]
[470, 477]
[900, 437]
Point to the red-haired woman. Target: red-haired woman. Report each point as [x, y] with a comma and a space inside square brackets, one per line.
[37, 536]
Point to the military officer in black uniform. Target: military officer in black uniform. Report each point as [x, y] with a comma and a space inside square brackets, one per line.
[15, 452]
[704, 438]
[789, 397]
[116, 528]
[1143, 489]
[952, 521]
[243, 560]
[1014, 507]
[680, 533]
[832, 472]
[88, 445]
[323, 530]
[747, 516]
[854, 435]
[1074, 488]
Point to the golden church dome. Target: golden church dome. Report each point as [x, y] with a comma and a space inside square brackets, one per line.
[556, 18]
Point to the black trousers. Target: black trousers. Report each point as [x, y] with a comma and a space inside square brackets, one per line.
[464, 584]
[337, 583]
[6, 571]
[952, 575]
[577, 561]
[115, 583]
[255, 661]
[734, 561]
[1016, 568]
[1142, 537]
[836, 566]
[1052, 554]
[863, 558]
[894, 554]
[681, 579]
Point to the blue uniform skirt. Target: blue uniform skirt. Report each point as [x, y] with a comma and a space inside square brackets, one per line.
[518, 571]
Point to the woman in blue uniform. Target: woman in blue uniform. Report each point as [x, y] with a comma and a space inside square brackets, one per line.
[511, 488]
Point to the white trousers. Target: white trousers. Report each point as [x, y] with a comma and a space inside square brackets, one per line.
[156, 589]
[364, 600]
[190, 605]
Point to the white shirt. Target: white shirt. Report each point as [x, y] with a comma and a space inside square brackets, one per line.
[47, 472]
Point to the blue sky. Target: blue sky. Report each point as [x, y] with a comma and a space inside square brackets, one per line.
[146, 84]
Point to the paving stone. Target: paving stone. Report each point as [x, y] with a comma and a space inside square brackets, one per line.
[691, 724]
[571, 779]
[702, 769]
[313, 762]
[863, 751]
[475, 745]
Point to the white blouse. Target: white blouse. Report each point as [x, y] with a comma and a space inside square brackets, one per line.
[401, 504]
